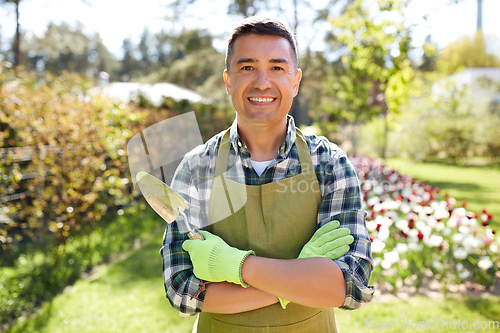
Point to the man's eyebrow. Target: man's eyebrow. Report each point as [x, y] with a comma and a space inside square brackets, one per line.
[239, 61]
[279, 61]
[273, 61]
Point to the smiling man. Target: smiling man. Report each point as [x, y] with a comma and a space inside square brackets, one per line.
[294, 244]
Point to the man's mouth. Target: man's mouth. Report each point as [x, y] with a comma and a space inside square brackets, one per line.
[261, 100]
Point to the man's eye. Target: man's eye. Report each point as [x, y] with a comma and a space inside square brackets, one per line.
[278, 68]
[246, 68]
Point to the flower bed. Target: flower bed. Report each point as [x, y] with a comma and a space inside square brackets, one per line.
[413, 227]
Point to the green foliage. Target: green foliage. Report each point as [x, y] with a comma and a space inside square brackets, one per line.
[467, 52]
[64, 178]
[69, 164]
[375, 74]
[193, 63]
[65, 48]
[453, 123]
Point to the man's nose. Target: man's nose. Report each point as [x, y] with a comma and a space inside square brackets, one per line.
[262, 80]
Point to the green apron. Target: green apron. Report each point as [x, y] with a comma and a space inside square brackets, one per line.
[275, 220]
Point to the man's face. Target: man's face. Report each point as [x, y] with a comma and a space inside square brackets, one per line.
[262, 78]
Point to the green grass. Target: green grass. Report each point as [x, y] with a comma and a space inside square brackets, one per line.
[128, 297]
[479, 186]
[440, 314]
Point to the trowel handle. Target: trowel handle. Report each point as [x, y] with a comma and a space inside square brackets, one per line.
[193, 233]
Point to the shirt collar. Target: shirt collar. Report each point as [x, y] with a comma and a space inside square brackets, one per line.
[285, 148]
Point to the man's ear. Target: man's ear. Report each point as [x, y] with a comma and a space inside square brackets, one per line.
[298, 77]
[226, 80]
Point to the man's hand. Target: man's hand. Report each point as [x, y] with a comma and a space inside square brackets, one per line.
[329, 241]
[214, 260]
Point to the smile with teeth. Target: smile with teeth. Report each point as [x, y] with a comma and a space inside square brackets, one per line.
[261, 100]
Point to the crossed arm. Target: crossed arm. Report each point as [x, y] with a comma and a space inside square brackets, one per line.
[314, 282]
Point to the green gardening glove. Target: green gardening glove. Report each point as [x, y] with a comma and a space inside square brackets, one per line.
[329, 241]
[215, 261]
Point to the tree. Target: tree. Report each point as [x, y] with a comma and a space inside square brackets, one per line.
[17, 37]
[466, 52]
[129, 64]
[63, 47]
[375, 74]
[145, 59]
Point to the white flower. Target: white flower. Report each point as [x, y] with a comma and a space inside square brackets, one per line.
[426, 231]
[473, 222]
[413, 233]
[460, 212]
[440, 226]
[464, 275]
[386, 264]
[433, 241]
[458, 237]
[494, 248]
[401, 248]
[373, 200]
[464, 221]
[420, 225]
[392, 257]
[441, 213]
[378, 189]
[485, 263]
[452, 222]
[446, 232]
[392, 214]
[377, 246]
[404, 208]
[402, 225]
[460, 267]
[377, 261]
[431, 221]
[489, 233]
[471, 243]
[437, 265]
[460, 253]
[371, 225]
[415, 247]
[384, 233]
[427, 210]
[463, 229]
[406, 192]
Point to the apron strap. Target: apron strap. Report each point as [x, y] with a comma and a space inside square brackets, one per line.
[300, 143]
[223, 154]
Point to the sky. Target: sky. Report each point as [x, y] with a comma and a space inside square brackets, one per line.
[116, 20]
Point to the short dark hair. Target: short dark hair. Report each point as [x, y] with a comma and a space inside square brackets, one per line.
[261, 26]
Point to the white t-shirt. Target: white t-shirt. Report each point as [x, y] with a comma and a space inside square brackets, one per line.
[259, 167]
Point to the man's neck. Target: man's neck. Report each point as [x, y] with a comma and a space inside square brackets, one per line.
[263, 140]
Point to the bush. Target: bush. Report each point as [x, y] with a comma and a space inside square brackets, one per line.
[453, 123]
[65, 186]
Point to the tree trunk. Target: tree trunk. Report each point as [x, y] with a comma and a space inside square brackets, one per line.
[479, 15]
[17, 40]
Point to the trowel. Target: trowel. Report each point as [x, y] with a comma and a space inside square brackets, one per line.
[165, 201]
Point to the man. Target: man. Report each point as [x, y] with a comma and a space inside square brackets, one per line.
[262, 189]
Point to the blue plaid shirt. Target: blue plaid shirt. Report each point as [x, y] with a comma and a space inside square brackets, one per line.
[341, 201]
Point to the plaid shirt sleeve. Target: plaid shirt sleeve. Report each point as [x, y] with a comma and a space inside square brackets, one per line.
[180, 282]
[342, 202]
